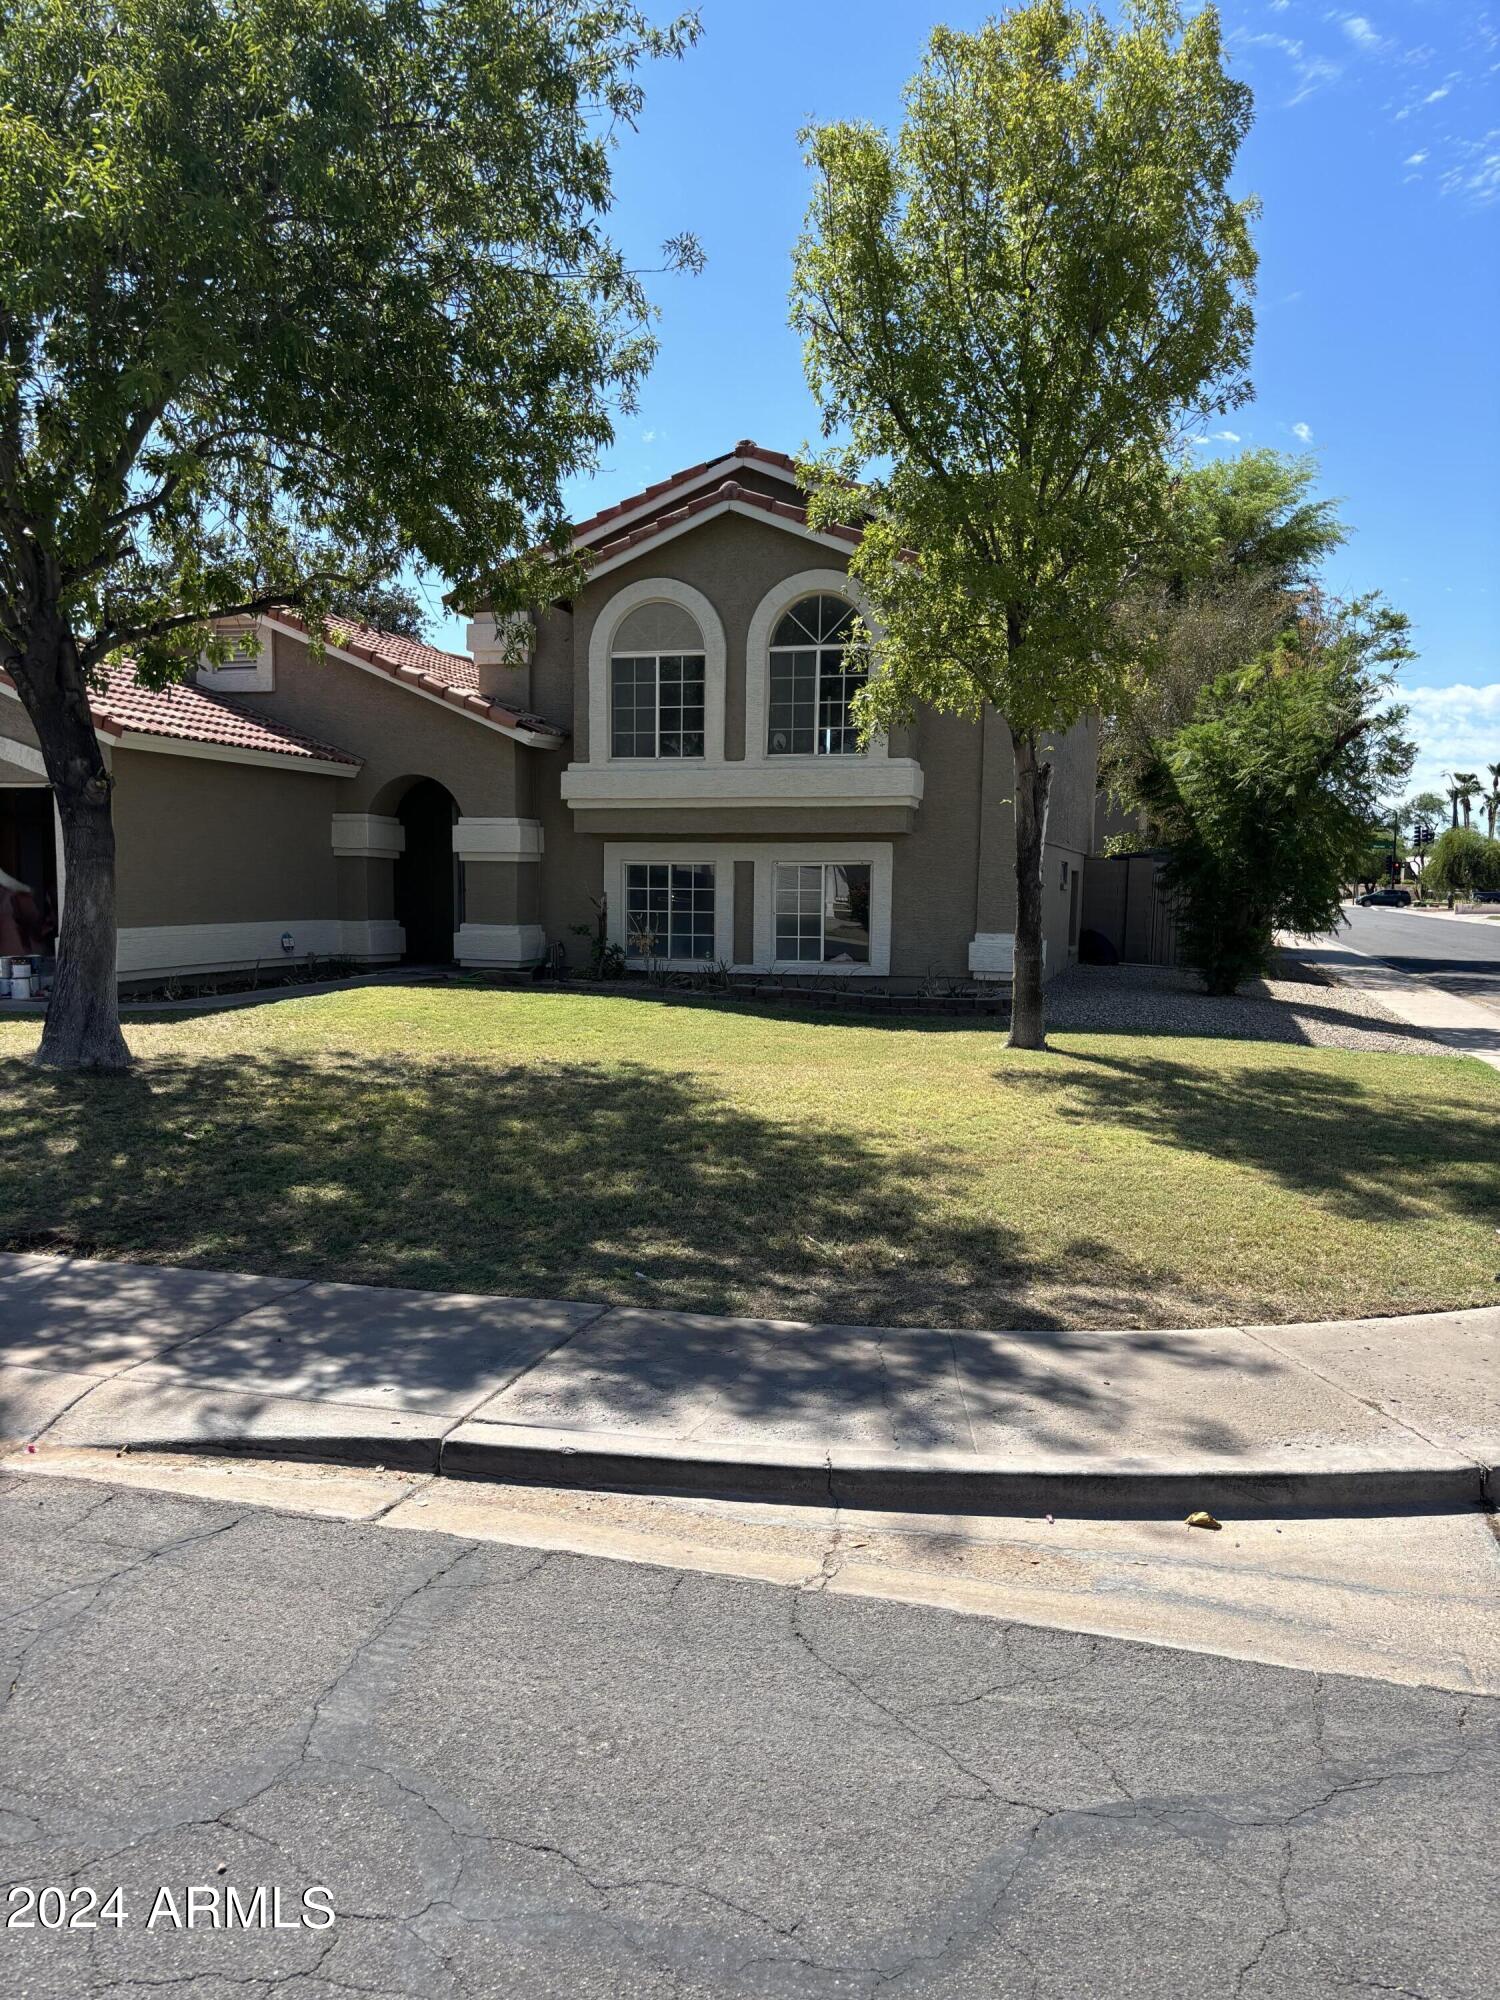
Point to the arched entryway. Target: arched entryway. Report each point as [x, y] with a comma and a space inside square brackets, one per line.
[429, 890]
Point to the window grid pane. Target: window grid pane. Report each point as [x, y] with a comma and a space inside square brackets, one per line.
[822, 913]
[799, 911]
[657, 705]
[669, 909]
[633, 708]
[812, 690]
[681, 723]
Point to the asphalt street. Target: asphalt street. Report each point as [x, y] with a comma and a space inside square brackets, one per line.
[1461, 956]
[534, 1775]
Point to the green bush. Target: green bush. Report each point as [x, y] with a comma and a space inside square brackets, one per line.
[1461, 861]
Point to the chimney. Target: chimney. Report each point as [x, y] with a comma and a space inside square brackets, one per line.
[501, 651]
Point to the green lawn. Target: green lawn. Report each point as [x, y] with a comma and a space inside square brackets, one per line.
[732, 1161]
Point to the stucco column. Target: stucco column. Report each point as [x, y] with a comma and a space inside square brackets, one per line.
[365, 846]
[502, 860]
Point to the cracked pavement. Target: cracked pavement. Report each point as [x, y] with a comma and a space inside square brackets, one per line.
[542, 1776]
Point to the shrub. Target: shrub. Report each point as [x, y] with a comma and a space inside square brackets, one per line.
[1461, 861]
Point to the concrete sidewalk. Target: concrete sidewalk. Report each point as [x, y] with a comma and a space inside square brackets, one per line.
[1393, 1414]
[1465, 1026]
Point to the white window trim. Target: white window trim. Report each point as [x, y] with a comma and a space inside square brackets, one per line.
[876, 855]
[764, 856]
[657, 590]
[821, 964]
[768, 614]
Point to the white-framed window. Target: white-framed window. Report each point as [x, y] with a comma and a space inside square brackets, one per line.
[656, 669]
[656, 705]
[813, 680]
[822, 912]
[669, 910]
[657, 684]
[682, 895]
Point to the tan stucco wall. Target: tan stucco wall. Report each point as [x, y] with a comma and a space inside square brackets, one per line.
[501, 892]
[15, 723]
[400, 735]
[366, 888]
[1075, 765]
[1056, 902]
[205, 841]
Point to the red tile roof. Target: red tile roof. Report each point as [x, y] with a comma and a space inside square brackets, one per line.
[187, 713]
[453, 677]
[747, 448]
[717, 496]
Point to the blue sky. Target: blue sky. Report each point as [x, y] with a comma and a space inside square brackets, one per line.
[1376, 153]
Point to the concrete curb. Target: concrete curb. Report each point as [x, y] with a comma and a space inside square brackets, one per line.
[212, 1423]
[956, 1482]
[1343, 1416]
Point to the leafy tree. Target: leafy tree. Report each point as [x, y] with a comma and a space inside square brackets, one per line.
[1267, 797]
[1382, 843]
[1461, 861]
[1421, 819]
[1016, 305]
[1422, 809]
[388, 607]
[291, 292]
[1238, 567]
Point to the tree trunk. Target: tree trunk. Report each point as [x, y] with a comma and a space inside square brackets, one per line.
[82, 1029]
[1028, 1028]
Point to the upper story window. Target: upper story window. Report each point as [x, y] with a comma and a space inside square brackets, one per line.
[814, 681]
[656, 684]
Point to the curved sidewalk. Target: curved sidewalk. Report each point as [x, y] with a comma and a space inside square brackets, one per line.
[1343, 1416]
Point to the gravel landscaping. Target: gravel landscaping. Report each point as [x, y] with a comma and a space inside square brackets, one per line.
[1160, 1000]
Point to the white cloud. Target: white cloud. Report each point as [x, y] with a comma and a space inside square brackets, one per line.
[648, 437]
[1414, 160]
[1436, 96]
[1455, 728]
[1311, 77]
[1302, 433]
[1478, 175]
[1362, 34]
[1310, 72]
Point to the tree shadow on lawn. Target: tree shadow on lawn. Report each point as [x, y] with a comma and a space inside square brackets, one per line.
[1373, 1156]
[630, 1186]
[626, 1183]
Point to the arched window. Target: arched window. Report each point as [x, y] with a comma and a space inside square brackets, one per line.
[656, 684]
[813, 681]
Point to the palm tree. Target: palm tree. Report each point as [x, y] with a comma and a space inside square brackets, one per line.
[1492, 801]
[1465, 786]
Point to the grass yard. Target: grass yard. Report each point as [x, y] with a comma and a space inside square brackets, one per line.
[727, 1161]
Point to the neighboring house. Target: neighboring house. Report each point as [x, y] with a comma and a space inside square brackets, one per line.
[678, 746]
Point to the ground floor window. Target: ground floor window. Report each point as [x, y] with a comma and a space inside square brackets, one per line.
[669, 909]
[823, 912]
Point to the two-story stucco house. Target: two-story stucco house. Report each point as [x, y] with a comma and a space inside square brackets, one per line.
[678, 747]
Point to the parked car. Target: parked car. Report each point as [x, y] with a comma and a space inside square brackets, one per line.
[1400, 898]
[1487, 895]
